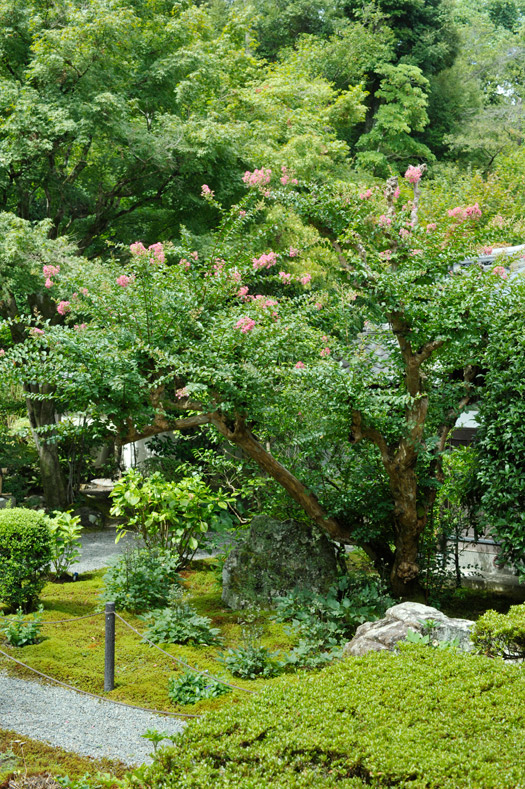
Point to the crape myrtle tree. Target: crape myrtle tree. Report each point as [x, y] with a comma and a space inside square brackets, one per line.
[287, 365]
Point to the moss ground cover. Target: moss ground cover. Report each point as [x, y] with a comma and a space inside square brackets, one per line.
[74, 652]
[419, 719]
[22, 754]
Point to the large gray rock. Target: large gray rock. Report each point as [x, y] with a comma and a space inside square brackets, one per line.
[275, 558]
[385, 633]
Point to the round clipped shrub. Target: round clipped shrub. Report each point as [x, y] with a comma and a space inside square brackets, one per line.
[25, 554]
[420, 719]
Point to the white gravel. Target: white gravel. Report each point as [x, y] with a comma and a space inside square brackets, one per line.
[78, 723]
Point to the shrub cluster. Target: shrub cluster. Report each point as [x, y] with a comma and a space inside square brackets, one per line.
[501, 635]
[180, 624]
[141, 580]
[191, 688]
[420, 718]
[25, 554]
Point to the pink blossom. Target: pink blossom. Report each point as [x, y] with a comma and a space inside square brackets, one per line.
[84, 291]
[300, 366]
[138, 248]
[284, 179]
[242, 293]
[460, 214]
[50, 271]
[218, 265]
[80, 326]
[258, 177]
[431, 226]
[236, 275]
[74, 296]
[284, 277]
[384, 221]
[325, 351]
[305, 279]
[397, 192]
[157, 251]
[263, 302]
[486, 250]
[2, 352]
[184, 263]
[294, 181]
[194, 255]
[180, 393]
[404, 233]
[245, 324]
[242, 214]
[48, 283]
[206, 191]
[293, 252]
[500, 271]
[265, 261]
[63, 308]
[366, 195]
[36, 332]
[413, 174]
[318, 305]
[386, 254]
[124, 281]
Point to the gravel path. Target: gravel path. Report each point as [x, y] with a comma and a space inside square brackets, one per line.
[99, 549]
[78, 723]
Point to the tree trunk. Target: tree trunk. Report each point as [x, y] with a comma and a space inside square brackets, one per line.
[42, 414]
[410, 517]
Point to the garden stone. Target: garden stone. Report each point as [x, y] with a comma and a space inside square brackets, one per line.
[275, 558]
[387, 632]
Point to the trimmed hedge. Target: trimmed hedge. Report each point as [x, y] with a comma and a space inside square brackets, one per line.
[421, 718]
[501, 635]
[25, 554]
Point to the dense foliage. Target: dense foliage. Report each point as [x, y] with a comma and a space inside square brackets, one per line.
[25, 555]
[141, 580]
[420, 718]
[501, 635]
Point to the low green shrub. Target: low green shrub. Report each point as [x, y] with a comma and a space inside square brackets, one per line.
[191, 688]
[25, 554]
[20, 631]
[419, 719]
[180, 624]
[501, 635]
[324, 623]
[251, 660]
[141, 579]
[65, 532]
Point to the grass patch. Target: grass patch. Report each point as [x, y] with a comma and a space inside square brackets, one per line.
[20, 755]
[73, 652]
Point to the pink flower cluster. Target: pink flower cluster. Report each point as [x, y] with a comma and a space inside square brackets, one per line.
[285, 177]
[48, 272]
[63, 308]
[285, 278]
[263, 302]
[124, 280]
[325, 351]
[245, 324]
[184, 263]
[413, 174]
[404, 233]
[84, 291]
[80, 326]
[386, 254]
[384, 221]
[305, 279]
[293, 252]
[486, 250]
[206, 192]
[235, 275]
[180, 393]
[258, 177]
[2, 352]
[497, 221]
[155, 251]
[34, 332]
[430, 227]
[500, 271]
[242, 293]
[366, 195]
[300, 366]
[460, 214]
[265, 261]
